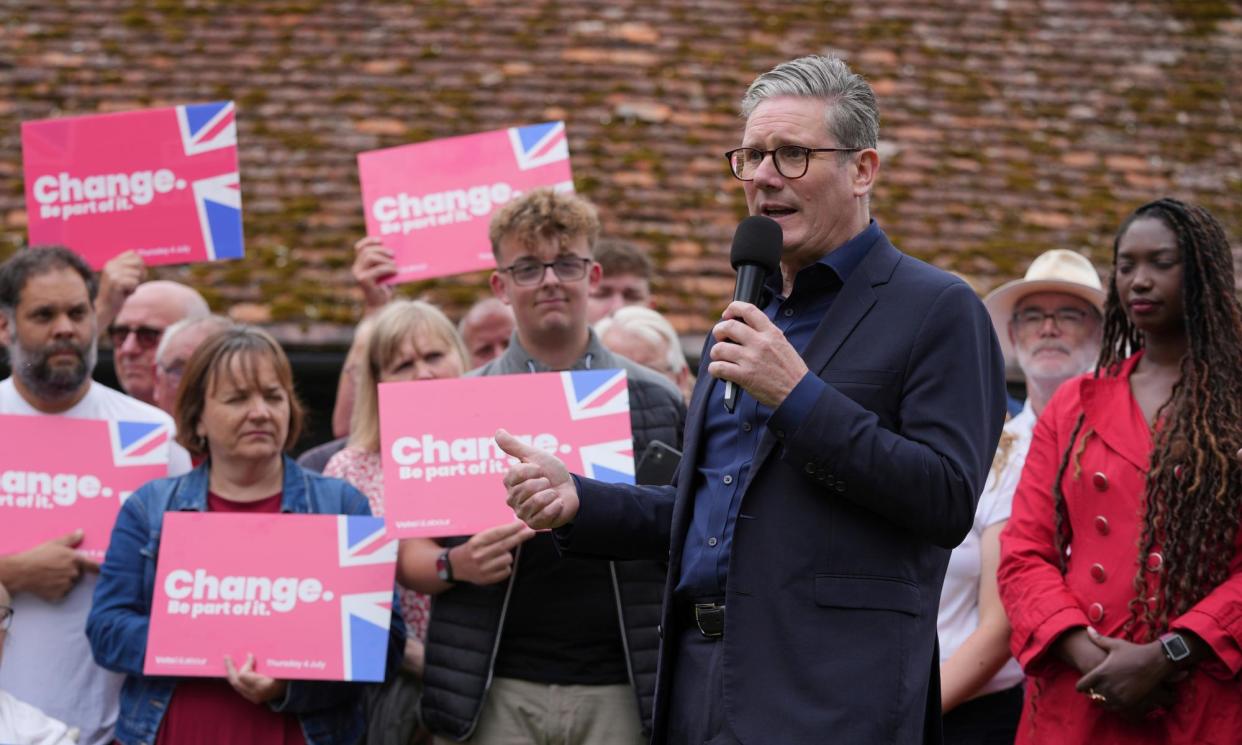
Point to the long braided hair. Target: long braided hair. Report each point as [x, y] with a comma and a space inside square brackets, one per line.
[1193, 499]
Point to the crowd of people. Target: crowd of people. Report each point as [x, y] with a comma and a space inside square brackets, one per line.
[878, 544]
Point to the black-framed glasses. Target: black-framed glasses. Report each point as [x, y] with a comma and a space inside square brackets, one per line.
[147, 336]
[531, 271]
[6, 617]
[791, 160]
[1030, 319]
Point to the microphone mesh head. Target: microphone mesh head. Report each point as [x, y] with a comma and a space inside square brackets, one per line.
[757, 241]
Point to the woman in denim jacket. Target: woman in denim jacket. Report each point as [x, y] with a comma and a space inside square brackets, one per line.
[236, 406]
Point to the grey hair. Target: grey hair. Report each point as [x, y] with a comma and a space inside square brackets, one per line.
[649, 325]
[219, 322]
[853, 115]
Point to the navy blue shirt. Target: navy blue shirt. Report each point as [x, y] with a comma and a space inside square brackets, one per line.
[730, 440]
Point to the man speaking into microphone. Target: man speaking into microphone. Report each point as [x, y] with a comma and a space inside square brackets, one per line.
[810, 525]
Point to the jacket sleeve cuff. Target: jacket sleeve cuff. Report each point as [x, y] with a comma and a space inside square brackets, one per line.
[1032, 652]
[792, 411]
[1226, 661]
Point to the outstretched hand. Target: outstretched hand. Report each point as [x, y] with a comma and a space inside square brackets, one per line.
[541, 491]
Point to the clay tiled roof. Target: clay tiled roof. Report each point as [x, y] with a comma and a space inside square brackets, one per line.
[1009, 126]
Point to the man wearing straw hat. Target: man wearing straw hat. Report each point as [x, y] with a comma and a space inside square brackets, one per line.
[1049, 323]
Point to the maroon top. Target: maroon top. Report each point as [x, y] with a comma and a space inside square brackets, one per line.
[208, 710]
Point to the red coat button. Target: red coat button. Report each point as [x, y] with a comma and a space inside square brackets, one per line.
[1100, 481]
[1154, 561]
[1095, 613]
[1177, 471]
[1097, 573]
[1101, 525]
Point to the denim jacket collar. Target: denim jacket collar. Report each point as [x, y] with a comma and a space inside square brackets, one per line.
[191, 494]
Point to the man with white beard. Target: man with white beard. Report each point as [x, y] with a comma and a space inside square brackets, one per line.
[1050, 323]
[48, 324]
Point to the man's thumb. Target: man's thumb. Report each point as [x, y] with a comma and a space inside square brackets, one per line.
[513, 446]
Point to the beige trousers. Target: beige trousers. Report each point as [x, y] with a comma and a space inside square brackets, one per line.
[518, 712]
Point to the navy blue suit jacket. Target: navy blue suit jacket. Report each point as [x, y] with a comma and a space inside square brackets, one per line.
[846, 524]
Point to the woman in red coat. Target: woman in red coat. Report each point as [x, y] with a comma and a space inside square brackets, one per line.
[1120, 566]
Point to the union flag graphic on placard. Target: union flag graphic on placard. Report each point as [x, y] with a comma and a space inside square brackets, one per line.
[431, 202]
[539, 144]
[310, 596]
[442, 470]
[163, 182]
[59, 474]
[139, 443]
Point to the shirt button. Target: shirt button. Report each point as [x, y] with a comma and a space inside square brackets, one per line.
[1097, 573]
[1095, 613]
[1101, 525]
[746, 427]
[1100, 481]
[788, 312]
[712, 541]
[728, 479]
[1154, 561]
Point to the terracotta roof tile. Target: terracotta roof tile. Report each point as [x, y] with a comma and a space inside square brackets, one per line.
[1007, 128]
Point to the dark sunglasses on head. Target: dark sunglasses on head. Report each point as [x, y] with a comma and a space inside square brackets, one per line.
[147, 336]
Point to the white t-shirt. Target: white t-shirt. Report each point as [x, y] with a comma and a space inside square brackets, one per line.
[959, 600]
[22, 723]
[47, 660]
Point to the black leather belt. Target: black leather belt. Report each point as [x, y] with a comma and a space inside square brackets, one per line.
[708, 618]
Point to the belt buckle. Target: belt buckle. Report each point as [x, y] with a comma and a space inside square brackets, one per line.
[714, 612]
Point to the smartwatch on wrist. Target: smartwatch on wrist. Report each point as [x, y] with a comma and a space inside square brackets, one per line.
[444, 567]
[1175, 647]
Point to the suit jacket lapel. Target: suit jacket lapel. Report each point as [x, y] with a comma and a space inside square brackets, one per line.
[696, 418]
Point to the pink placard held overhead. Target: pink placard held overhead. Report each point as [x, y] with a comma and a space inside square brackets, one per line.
[431, 203]
[59, 474]
[162, 182]
[442, 470]
[310, 596]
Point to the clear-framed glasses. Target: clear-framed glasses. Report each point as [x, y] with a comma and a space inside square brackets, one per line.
[1063, 318]
[791, 160]
[6, 617]
[567, 268]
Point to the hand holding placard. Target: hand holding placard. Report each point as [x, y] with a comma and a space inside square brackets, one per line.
[118, 280]
[255, 688]
[541, 491]
[51, 569]
[373, 263]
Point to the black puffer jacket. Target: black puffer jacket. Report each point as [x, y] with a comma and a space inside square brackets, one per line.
[464, 633]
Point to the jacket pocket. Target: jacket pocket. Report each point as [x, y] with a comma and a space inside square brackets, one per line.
[868, 593]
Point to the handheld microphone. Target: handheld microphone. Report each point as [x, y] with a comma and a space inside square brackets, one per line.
[756, 255]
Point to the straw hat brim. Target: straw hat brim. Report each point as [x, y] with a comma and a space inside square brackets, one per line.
[1000, 302]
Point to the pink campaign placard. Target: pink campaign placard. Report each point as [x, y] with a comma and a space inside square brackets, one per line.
[431, 202]
[160, 181]
[443, 470]
[59, 474]
[310, 596]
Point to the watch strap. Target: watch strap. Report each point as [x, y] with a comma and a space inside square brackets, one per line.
[444, 566]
